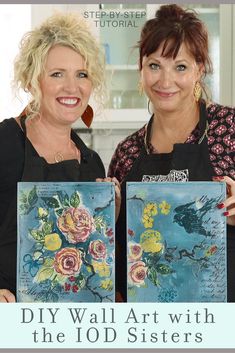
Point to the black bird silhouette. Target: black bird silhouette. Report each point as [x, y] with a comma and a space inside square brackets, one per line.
[191, 218]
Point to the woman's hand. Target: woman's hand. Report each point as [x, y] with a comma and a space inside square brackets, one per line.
[117, 193]
[229, 203]
[6, 296]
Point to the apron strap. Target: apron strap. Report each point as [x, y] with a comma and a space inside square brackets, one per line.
[22, 123]
[148, 128]
[203, 122]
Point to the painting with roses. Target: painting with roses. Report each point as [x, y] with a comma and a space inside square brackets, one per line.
[176, 242]
[66, 242]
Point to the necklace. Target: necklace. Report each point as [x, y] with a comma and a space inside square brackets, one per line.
[59, 157]
[43, 144]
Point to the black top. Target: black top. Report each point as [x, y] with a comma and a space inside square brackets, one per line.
[20, 162]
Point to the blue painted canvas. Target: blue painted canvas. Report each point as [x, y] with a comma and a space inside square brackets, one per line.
[66, 242]
[176, 242]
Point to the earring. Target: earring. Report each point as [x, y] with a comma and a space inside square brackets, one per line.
[197, 91]
[87, 116]
[23, 113]
[149, 106]
[140, 88]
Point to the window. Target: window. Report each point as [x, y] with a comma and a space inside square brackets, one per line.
[15, 20]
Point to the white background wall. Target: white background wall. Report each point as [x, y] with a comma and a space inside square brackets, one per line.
[15, 20]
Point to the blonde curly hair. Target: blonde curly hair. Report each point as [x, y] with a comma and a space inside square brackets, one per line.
[68, 30]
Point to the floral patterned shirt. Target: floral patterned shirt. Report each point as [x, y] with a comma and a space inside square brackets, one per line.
[221, 144]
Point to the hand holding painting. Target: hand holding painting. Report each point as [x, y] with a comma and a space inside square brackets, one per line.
[229, 203]
[6, 296]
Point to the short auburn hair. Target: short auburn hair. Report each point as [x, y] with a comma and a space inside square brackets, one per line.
[172, 26]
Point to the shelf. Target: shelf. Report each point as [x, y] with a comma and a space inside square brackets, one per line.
[118, 119]
[203, 10]
[124, 115]
[121, 67]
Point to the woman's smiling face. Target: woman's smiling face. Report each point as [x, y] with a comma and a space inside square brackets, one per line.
[65, 86]
[168, 82]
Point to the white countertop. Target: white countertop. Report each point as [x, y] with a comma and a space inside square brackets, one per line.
[118, 119]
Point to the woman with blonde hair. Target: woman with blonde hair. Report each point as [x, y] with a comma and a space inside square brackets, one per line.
[59, 64]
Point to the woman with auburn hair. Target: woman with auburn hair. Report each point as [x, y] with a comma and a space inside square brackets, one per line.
[189, 137]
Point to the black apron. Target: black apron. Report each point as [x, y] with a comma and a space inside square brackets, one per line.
[36, 169]
[191, 158]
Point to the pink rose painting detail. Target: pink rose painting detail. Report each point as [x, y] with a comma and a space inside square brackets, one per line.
[97, 249]
[65, 252]
[68, 261]
[76, 224]
[137, 273]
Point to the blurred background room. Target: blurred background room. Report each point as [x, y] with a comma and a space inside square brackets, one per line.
[117, 26]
